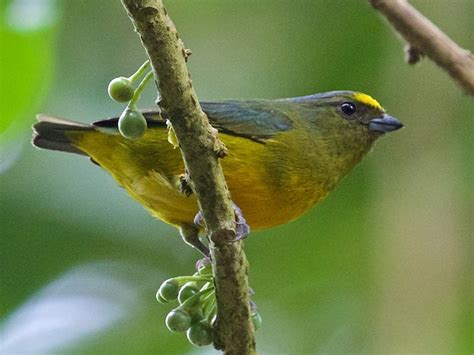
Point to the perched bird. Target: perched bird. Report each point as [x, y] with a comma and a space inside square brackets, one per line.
[285, 155]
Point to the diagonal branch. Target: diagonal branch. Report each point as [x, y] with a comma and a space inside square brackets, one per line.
[425, 38]
[201, 150]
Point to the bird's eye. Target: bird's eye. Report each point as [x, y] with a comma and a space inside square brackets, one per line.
[348, 108]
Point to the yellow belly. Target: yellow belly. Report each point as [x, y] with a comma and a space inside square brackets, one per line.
[149, 168]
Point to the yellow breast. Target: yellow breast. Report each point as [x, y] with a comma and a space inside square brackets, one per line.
[149, 168]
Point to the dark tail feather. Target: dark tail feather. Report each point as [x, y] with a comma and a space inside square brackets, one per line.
[50, 133]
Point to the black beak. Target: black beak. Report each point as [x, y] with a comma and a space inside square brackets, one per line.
[384, 124]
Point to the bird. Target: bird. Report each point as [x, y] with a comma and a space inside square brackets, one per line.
[284, 155]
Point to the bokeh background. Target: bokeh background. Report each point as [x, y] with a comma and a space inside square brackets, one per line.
[384, 264]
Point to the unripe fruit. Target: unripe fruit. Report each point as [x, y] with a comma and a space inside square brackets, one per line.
[160, 299]
[188, 290]
[132, 123]
[178, 320]
[168, 291]
[200, 334]
[120, 89]
[196, 317]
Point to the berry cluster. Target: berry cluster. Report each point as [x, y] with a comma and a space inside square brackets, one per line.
[196, 310]
[132, 124]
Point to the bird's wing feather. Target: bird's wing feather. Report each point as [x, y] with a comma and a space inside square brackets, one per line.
[254, 119]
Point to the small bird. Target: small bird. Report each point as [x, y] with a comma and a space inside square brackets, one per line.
[284, 155]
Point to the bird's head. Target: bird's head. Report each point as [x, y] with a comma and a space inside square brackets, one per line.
[348, 109]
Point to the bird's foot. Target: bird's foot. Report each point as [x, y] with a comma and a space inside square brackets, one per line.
[242, 229]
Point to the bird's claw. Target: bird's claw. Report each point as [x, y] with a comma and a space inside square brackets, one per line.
[242, 229]
[199, 220]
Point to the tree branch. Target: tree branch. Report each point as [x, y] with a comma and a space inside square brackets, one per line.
[201, 150]
[425, 38]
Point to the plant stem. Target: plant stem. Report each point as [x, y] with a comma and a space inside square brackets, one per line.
[139, 89]
[143, 68]
[201, 150]
[425, 38]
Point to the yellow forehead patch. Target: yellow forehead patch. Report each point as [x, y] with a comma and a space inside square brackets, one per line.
[367, 100]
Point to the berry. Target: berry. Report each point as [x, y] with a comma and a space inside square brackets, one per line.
[160, 299]
[200, 334]
[132, 123]
[168, 291]
[196, 317]
[189, 289]
[120, 89]
[178, 320]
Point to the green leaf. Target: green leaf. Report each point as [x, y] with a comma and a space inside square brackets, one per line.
[27, 29]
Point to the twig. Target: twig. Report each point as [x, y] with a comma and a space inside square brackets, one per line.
[201, 150]
[425, 38]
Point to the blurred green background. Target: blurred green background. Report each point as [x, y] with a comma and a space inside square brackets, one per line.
[384, 264]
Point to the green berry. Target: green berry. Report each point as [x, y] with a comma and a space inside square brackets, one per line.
[120, 89]
[189, 289]
[196, 317]
[160, 299]
[132, 123]
[256, 320]
[168, 291]
[178, 320]
[200, 334]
